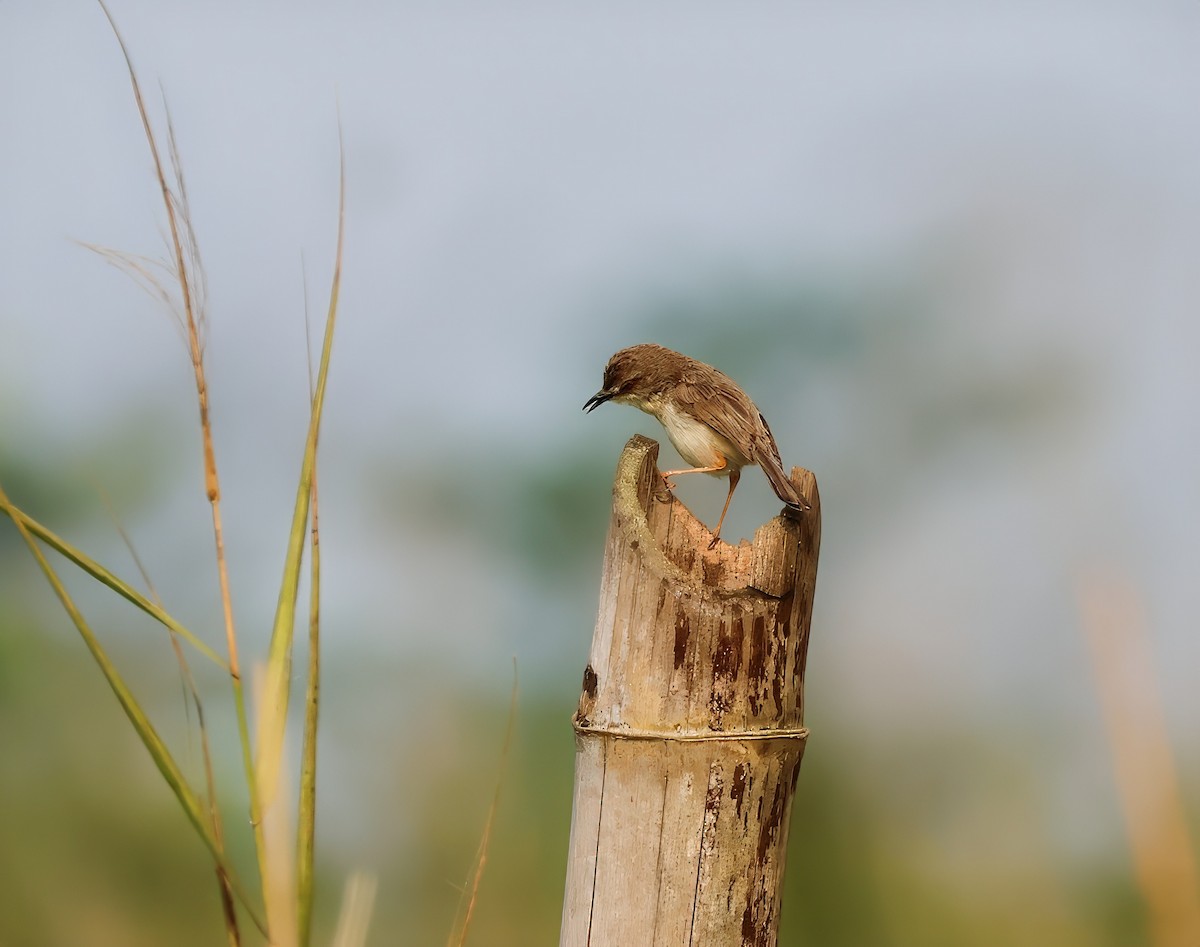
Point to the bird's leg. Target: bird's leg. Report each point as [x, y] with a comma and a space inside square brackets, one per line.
[734, 476]
[721, 464]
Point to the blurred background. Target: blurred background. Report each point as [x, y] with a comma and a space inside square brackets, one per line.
[950, 252]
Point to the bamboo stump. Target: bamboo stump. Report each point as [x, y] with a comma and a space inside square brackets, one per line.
[690, 728]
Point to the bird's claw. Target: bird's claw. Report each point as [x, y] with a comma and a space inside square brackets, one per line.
[663, 494]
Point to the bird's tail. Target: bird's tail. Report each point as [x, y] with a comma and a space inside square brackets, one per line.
[783, 487]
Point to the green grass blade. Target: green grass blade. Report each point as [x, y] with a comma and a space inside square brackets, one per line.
[272, 718]
[191, 699]
[25, 522]
[141, 723]
[306, 822]
[307, 816]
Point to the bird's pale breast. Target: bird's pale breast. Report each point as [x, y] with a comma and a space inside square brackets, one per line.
[696, 442]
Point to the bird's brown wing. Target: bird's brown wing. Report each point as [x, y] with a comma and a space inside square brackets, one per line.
[723, 406]
[716, 400]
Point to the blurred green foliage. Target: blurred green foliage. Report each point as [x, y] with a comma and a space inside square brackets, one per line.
[96, 852]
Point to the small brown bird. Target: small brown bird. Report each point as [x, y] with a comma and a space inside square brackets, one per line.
[712, 423]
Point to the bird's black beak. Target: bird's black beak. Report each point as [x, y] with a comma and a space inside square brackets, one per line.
[598, 399]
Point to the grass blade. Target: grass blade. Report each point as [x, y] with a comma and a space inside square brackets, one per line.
[306, 823]
[186, 251]
[272, 718]
[485, 841]
[358, 900]
[307, 815]
[24, 522]
[1165, 866]
[278, 832]
[192, 693]
[141, 723]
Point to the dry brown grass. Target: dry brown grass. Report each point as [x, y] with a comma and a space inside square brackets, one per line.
[1147, 780]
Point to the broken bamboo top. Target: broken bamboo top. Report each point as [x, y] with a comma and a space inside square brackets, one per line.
[693, 643]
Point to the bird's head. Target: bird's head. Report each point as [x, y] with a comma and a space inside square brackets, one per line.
[636, 375]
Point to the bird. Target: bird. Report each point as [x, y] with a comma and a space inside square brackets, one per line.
[712, 423]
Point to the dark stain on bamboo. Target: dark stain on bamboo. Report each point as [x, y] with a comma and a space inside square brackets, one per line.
[712, 798]
[783, 614]
[722, 657]
[727, 656]
[685, 558]
[758, 920]
[737, 790]
[757, 668]
[755, 927]
[726, 665]
[801, 656]
[683, 628]
[769, 831]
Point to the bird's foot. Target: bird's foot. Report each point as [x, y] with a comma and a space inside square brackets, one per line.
[712, 543]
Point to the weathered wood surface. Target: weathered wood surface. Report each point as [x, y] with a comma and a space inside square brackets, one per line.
[690, 727]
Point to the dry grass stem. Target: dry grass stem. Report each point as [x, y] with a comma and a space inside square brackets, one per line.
[485, 840]
[1147, 782]
[284, 851]
[149, 274]
[358, 901]
[192, 695]
[181, 237]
